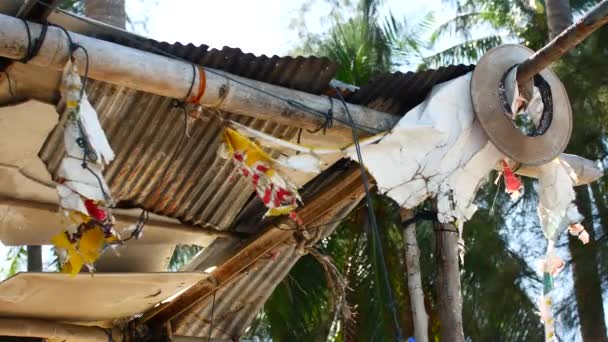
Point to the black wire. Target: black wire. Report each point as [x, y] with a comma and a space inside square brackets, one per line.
[29, 41]
[212, 313]
[191, 83]
[373, 222]
[73, 48]
[293, 103]
[329, 121]
[33, 47]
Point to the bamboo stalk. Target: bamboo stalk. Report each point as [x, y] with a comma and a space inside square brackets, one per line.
[414, 282]
[449, 295]
[160, 75]
[563, 43]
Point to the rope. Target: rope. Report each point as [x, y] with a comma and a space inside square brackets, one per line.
[201, 86]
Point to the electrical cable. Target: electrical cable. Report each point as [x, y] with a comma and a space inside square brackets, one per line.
[373, 223]
[291, 102]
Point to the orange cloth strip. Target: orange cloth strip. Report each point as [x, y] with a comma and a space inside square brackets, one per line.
[202, 85]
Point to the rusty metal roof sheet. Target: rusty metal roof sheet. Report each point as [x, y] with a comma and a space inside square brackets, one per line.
[152, 170]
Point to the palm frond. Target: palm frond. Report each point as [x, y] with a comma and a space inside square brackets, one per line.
[459, 27]
[466, 52]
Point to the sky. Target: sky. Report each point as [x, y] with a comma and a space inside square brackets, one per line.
[259, 27]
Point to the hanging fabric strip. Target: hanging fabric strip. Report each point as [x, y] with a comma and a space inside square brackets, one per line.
[83, 193]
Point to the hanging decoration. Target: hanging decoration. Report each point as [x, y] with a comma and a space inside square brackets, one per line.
[276, 191]
[279, 195]
[84, 196]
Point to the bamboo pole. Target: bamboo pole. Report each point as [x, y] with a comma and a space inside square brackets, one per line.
[449, 295]
[414, 282]
[148, 72]
[563, 43]
[160, 75]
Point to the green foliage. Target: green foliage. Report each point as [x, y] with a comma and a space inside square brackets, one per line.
[75, 6]
[15, 262]
[365, 44]
[182, 255]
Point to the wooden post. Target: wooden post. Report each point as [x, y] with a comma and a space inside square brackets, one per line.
[414, 282]
[448, 283]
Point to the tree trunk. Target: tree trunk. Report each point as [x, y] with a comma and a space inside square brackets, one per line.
[111, 12]
[414, 283]
[448, 283]
[601, 205]
[587, 287]
[559, 16]
[34, 258]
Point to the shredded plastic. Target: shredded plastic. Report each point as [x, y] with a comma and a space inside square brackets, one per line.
[83, 193]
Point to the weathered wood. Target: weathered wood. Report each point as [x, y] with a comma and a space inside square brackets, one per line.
[563, 43]
[346, 188]
[448, 283]
[414, 282]
[24, 327]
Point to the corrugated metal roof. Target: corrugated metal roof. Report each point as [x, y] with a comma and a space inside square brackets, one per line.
[398, 93]
[238, 302]
[152, 170]
[144, 130]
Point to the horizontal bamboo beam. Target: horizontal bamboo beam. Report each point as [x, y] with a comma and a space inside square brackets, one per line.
[160, 75]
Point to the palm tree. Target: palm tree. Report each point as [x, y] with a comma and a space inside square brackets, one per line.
[301, 308]
[581, 73]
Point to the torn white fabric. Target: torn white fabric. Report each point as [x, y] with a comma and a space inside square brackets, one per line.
[556, 208]
[94, 133]
[438, 149]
